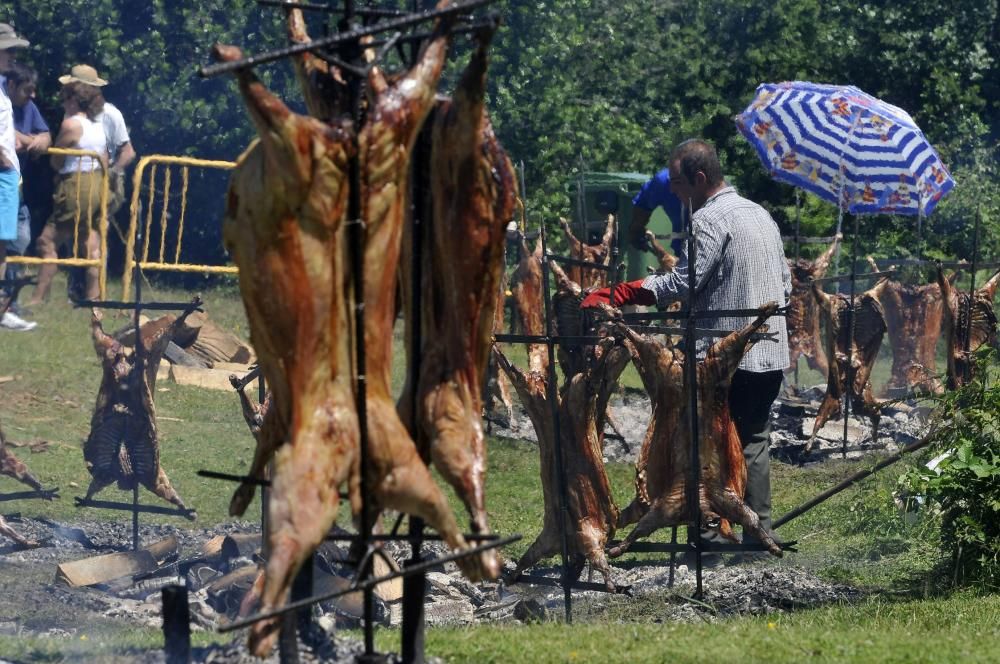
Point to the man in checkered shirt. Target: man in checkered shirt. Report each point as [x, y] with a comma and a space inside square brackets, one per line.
[740, 264]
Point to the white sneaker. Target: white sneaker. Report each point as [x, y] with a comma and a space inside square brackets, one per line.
[12, 321]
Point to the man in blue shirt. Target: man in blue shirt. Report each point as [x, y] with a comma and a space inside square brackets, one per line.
[655, 193]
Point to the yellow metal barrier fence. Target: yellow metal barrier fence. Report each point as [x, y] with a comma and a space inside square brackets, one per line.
[163, 262]
[75, 260]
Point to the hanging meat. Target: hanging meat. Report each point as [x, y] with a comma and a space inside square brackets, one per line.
[123, 445]
[962, 337]
[398, 477]
[665, 260]
[526, 292]
[498, 390]
[284, 228]
[589, 277]
[473, 185]
[591, 513]
[664, 466]
[851, 381]
[804, 337]
[253, 413]
[913, 316]
[11, 466]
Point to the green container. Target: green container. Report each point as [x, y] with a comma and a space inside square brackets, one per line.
[597, 195]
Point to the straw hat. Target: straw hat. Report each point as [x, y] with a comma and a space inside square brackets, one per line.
[9, 38]
[83, 74]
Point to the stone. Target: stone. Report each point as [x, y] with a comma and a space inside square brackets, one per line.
[448, 612]
[530, 610]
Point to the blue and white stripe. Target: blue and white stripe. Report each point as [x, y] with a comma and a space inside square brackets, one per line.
[809, 134]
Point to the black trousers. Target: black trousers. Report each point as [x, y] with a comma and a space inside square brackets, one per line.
[750, 398]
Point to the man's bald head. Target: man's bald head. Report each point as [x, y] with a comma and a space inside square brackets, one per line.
[695, 155]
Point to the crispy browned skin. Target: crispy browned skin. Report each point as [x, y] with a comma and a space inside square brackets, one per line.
[498, 388]
[666, 260]
[958, 332]
[591, 514]
[11, 466]
[854, 381]
[323, 88]
[663, 499]
[526, 291]
[398, 477]
[123, 445]
[804, 337]
[589, 277]
[284, 228]
[253, 413]
[473, 192]
[913, 316]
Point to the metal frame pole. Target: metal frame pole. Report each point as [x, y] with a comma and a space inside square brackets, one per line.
[552, 394]
[798, 255]
[850, 337]
[691, 370]
[967, 371]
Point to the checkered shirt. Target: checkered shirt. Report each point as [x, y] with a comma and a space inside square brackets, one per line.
[746, 273]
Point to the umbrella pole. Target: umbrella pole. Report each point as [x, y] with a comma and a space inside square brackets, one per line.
[850, 336]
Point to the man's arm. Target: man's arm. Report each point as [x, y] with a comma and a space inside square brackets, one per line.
[126, 155]
[711, 246]
[637, 228]
[33, 144]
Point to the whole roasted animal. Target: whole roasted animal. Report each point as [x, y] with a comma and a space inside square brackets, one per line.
[589, 277]
[284, 228]
[11, 466]
[591, 512]
[662, 473]
[398, 478]
[665, 260]
[526, 292]
[497, 393]
[123, 445]
[473, 186]
[253, 413]
[913, 316]
[962, 335]
[851, 380]
[804, 337]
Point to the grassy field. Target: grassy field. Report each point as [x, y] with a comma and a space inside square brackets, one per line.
[856, 538]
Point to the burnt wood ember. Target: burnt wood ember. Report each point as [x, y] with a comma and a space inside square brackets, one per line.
[398, 477]
[913, 316]
[804, 338]
[11, 466]
[591, 511]
[959, 333]
[473, 193]
[284, 228]
[664, 465]
[123, 445]
[854, 381]
[589, 277]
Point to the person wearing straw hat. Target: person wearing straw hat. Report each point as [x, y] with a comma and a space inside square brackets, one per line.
[76, 205]
[120, 151]
[10, 169]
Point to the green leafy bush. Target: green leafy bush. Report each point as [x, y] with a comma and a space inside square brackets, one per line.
[965, 481]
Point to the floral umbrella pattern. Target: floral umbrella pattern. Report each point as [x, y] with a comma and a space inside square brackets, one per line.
[845, 146]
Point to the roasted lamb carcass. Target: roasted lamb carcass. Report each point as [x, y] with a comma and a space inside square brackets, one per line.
[526, 292]
[123, 445]
[498, 388]
[284, 228]
[473, 197]
[913, 316]
[590, 277]
[591, 513]
[665, 260]
[398, 477]
[11, 466]
[962, 337]
[804, 337]
[663, 470]
[854, 380]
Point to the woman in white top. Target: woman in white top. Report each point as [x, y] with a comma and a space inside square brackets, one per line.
[77, 200]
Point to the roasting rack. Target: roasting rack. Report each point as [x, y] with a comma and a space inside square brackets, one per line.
[344, 48]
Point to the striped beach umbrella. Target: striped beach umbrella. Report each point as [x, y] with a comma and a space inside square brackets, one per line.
[845, 146]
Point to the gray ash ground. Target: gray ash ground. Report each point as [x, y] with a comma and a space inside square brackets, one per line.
[34, 602]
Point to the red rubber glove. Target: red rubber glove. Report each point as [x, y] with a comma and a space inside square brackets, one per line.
[630, 292]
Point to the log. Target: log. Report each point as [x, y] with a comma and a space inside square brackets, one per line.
[212, 379]
[211, 342]
[101, 569]
[178, 355]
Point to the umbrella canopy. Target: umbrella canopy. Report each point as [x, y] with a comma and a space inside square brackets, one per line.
[845, 146]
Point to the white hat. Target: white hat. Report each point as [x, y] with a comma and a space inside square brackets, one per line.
[9, 38]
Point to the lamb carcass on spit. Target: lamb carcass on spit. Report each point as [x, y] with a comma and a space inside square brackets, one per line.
[284, 228]
[591, 512]
[526, 292]
[473, 198]
[913, 316]
[662, 472]
[123, 445]
[11, 466]
[804, 336]
[398, 477]
[589, 277]
[962, 337]
[851, 381]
